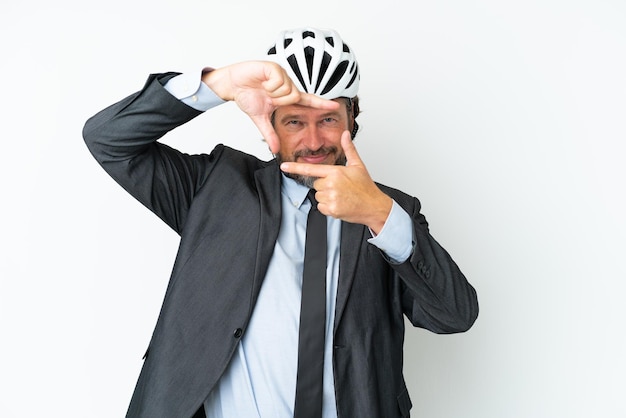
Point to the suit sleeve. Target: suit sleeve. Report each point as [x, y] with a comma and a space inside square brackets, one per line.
[435, 293]
[123, 139]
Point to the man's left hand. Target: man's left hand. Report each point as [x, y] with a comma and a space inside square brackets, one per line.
[346, 192]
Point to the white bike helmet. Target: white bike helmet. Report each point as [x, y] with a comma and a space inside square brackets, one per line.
[318, 62]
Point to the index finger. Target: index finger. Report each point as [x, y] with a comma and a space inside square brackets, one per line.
[305, 169]
[311, 100]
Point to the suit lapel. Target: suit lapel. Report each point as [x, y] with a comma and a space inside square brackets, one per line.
[351, 242]
[267, 182]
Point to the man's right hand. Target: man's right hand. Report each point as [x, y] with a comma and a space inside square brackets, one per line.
[258, 88]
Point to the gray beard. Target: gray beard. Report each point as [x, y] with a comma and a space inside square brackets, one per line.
[307, 181]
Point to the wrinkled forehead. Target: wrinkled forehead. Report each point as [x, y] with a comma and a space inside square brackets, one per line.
[307, 111]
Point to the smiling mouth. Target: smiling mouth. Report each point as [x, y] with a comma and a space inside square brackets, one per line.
[315, 157]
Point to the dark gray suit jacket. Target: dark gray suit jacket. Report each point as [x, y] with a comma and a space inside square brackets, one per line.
[226, 208]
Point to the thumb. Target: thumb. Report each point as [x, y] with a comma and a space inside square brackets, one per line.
[350, 150]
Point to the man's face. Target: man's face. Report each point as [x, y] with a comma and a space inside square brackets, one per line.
[312, 136]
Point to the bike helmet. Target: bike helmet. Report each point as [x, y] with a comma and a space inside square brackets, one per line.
[318, 61]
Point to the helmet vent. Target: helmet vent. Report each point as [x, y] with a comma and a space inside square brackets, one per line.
[334, 79]
[354, 76]
[326, 58]
[293, 63]
[309, 54]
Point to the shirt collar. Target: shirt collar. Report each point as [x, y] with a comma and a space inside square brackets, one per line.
[295, 192]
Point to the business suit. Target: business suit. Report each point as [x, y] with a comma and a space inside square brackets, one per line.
[226, 207]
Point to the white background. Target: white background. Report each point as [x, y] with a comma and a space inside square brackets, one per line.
[506, 118]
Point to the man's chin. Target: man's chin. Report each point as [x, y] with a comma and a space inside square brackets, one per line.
[307, 181]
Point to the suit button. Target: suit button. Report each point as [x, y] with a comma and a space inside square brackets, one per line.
[238, 333]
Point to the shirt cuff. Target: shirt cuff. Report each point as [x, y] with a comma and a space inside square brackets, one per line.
[189, 88]
[396, 237]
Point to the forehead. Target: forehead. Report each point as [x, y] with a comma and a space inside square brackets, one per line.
[296, 110]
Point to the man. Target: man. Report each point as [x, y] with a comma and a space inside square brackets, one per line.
[226, 343]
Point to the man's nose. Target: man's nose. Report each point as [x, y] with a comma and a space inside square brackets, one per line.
[312, 138]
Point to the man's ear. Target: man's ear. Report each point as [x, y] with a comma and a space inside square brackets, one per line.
[355, 110]
[354, 128]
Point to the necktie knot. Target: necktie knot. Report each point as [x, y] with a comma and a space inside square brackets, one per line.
[311, 197]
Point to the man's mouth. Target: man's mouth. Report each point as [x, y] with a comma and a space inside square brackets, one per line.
[314, 159]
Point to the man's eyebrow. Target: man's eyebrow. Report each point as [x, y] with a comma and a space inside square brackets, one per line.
[331, 113]
[289, 116]
[298, 116]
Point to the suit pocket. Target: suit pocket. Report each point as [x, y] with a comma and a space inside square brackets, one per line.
[404, 403]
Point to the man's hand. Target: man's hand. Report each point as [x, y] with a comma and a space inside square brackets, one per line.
[346, 192]
[258, 88]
